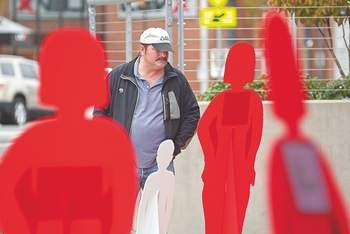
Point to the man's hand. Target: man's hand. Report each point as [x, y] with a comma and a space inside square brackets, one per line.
[186, 144]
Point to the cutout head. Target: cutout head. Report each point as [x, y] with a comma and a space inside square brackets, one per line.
[72, 74]
[240, 65]
[283, 72]
[165, 154]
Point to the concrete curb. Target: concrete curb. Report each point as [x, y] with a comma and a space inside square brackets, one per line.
[7, 135]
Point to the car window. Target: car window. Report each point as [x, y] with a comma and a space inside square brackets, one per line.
[7, 69]
[28, 71]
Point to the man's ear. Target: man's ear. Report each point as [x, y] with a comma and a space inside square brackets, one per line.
[142, 50]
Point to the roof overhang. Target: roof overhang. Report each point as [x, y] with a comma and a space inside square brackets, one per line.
[10, 27]
[106, 2]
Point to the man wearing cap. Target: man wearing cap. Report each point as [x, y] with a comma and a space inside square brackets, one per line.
[153, 101]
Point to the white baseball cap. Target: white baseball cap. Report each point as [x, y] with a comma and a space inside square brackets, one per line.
[158, 38]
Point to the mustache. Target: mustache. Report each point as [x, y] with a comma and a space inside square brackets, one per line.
[163, 58]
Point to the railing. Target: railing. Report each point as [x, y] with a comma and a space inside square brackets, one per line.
[205, 49]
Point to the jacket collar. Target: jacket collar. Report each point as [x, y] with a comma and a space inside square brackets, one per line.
[128, 72]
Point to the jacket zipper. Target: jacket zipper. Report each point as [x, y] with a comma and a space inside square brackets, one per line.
[164, 100]
[137, 99]
[124, 77]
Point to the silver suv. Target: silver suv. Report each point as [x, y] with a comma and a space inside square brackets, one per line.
[18, 89]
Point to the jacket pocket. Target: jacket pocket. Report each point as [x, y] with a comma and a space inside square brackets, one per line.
[166, 115]
[174, 110]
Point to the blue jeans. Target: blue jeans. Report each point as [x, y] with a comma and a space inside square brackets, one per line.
[143, 173]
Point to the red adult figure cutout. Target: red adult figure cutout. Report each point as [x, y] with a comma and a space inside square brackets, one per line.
[303, 196]
[230, 132]
[68, 174]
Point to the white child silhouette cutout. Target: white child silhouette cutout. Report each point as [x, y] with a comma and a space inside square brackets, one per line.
[157, 197]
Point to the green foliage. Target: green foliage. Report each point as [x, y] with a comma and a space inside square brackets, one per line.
[327, 89]
[317, 89]
[213, 90]
[315, 12]
[320, 13]
[250, 3]
[258, 85]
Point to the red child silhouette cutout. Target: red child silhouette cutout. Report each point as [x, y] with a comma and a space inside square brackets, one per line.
[68, 174]
[230, 132]
[303, 196]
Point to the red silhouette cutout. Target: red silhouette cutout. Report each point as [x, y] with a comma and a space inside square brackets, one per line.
[303, 196]
[68, 174]
[230, 132]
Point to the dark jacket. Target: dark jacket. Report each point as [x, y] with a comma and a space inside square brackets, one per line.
[181, 111]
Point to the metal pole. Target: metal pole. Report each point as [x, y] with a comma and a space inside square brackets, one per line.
[169, 24]
[294, 31]
[60, 15]
[218, 38]
[82, 11]
[202, 73]
[14, 17]
[92, 18]
[37, 25]
[128, 33]
[181, 43]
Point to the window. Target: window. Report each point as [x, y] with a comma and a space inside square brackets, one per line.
[7, 69]
[28, 71]
[155, 8]
[63, 5]
[145, 5]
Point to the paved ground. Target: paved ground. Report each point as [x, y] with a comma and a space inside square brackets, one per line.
[7, 134]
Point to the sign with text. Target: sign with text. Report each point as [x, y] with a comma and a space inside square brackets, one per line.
[218, 17]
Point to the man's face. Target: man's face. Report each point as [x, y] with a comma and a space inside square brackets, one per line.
[158, 59]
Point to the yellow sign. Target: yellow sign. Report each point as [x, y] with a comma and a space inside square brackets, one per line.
[217, 3]
[218, 17]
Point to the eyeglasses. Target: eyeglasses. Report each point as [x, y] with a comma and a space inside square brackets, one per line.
[156, 50]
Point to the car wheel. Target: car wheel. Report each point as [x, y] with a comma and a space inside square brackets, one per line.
[20, 113]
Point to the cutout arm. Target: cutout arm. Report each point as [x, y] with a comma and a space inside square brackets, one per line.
[256, 133]
[206, 123]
